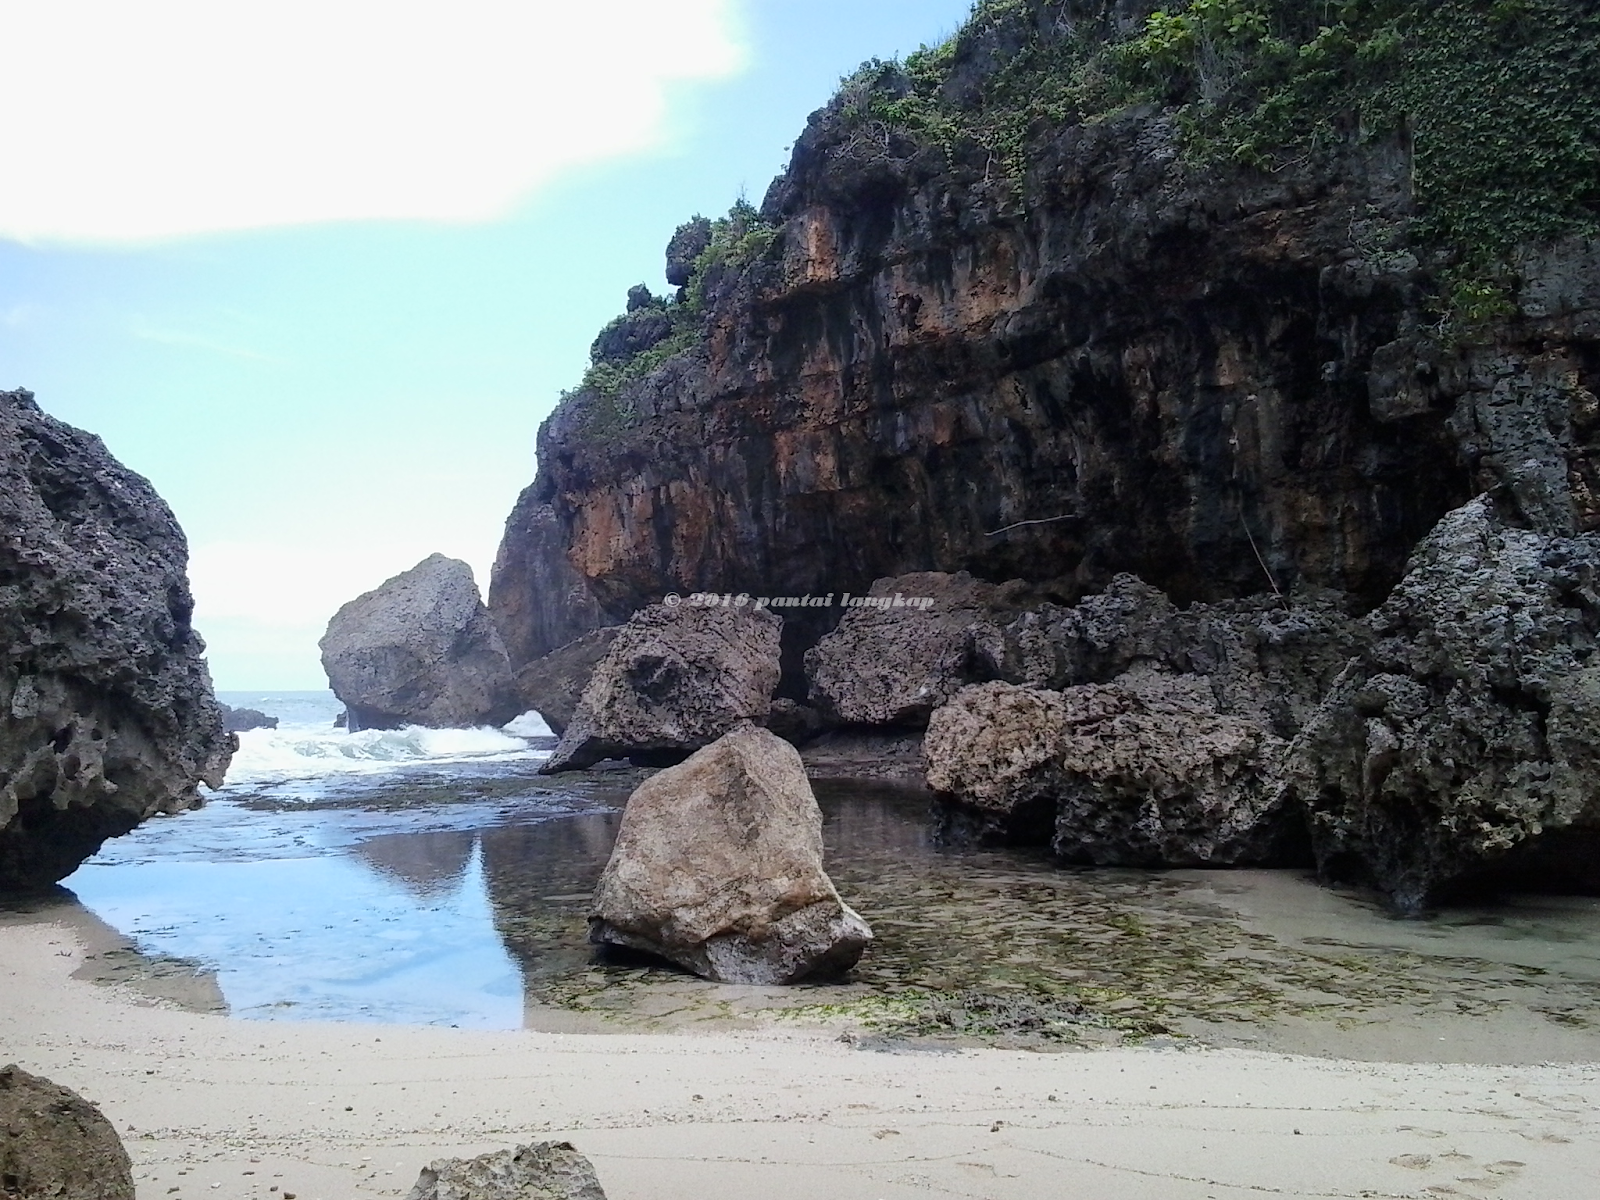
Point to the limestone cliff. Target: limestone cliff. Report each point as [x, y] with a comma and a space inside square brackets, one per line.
[106, 711]
[1071, 296]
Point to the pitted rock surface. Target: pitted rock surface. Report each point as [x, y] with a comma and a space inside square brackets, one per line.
[107, 715]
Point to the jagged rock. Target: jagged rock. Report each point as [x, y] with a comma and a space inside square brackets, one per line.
[420, 649]
[552, 685]
[673, 680]
[237, 720]
[55, 1145]
[108, 713]
[718, 867]
[1050, 646]
[1266, 659]
[689, 242]
[632, 334]
[1270, 659]
[896, 660]
[1463, 748]
[542, 1171]
[1140, 772]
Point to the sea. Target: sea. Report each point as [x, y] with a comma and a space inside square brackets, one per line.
[432, 876]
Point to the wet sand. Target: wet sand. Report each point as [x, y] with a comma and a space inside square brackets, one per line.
[213, 1106]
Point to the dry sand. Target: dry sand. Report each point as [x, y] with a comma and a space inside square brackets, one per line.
[215, 1107]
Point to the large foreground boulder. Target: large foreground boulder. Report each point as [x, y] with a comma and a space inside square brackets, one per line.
[718, 867]
[552, 685]
[420, 649]
[1141, 772]
[55, 1145]
[542, 1171]
[1463, 749]
[106, 711]
[673, 680]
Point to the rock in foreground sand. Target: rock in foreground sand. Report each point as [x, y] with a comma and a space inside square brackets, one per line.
[718, 867]
[55, 1145]
[543, 1171]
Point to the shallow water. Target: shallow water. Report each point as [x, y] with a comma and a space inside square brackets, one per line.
[456, 894]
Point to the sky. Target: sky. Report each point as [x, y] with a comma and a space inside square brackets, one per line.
[318, 270]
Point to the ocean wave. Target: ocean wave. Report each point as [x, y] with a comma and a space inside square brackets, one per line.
[300, 753]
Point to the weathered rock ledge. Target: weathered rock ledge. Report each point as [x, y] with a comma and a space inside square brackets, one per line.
[107, 716]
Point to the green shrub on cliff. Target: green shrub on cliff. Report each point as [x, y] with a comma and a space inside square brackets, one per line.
[737, 240]
[1499, 99]
[656, 329]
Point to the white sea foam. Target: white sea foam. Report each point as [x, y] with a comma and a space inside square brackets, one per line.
[529, 725]
[306, 746]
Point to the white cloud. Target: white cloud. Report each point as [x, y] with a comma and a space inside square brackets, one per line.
[131, 121]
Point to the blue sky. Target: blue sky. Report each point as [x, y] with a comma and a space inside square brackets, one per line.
[319, 270]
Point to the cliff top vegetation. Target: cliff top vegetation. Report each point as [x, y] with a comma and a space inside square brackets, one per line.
[1497, 100]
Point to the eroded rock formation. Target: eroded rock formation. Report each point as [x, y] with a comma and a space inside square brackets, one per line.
[237, 720]
[718, 867]
[1463, 748]
[673, 679]
[542, 1171]
[903, 654]
[1140, 772]
[55, 1145]
[420, 649]
[107, 716]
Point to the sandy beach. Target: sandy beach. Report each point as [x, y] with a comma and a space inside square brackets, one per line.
[217, 1107]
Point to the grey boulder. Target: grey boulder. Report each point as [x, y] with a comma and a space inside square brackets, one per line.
[542, 1171]
[1143, 771]
[107, 716]
[718, 867]
[1462, 750]
[420, 649]
[1268, 659]
[238, 720]
[673, 679]
[897, 659]
[55, 1145]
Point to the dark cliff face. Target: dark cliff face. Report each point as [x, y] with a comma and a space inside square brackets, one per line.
[1220, 378]
[107, 716]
